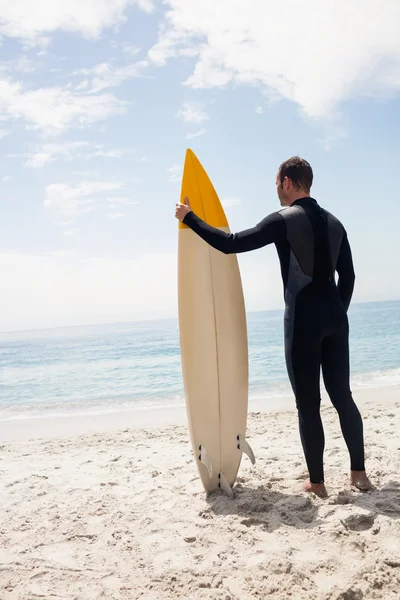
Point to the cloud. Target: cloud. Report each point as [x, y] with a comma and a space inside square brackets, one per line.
[129, 49]
[3, 133]
[69, 290]
[21, 65]
[48, 153]
[70, 232]
[259, 110]
[83, 85]
[32, 22]
[350, 49]
[172, 42]
[191, 113]
[115, 153]
[54, 110]
[116, 215]
[175, 173]
[191, 136]
[69, 200]
[333, 134]
[6, 179]
[106, 76]
[118, 201]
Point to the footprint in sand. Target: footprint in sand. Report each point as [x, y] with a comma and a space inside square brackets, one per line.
[253, 521]
[359, 522]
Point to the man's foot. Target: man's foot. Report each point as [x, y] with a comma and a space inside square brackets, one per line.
[316, 488]
[360, 480]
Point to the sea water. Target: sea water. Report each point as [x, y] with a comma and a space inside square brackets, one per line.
[136, 366]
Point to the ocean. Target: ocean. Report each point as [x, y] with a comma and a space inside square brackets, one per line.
[136, 366]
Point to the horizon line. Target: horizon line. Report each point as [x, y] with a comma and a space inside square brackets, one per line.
[158, 318]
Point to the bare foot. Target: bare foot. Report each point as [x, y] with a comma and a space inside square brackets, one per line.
[360, 480]
[316, 488]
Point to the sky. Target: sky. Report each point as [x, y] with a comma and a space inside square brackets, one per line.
[99, 100]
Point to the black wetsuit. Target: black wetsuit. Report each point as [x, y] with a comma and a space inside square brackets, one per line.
[312, 244]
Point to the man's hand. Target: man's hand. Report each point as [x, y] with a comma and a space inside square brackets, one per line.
[182, 210]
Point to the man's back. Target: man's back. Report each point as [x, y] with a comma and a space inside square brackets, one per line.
[311, 243]
[315, 246]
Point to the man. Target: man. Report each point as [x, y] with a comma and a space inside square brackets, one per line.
[312, 244]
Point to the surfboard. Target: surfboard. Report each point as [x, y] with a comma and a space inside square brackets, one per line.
[213, 339]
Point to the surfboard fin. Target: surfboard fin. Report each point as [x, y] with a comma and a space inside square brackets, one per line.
[245, 447]
[224, 485]
[205, 459]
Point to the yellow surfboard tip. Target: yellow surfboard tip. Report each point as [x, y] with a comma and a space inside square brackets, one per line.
[201, 193]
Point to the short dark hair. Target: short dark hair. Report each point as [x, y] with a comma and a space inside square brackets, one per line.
[299, 171]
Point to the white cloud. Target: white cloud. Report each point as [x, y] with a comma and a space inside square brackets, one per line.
[175, 173]
[351, 48]
[67, 290]
[116, 215]
[22, 65]
[172, 42]
[32, 22]
[50, 152]
[130, 49]
[115, 153]
[69, 200]
[53, 110]
[192, 113]
[259, 110]
[6, 179]
[47, 153]
[334, 133]
[195, 134]
[70, 232]
[83, 85]
[106, 76]
[118, 201]
[3, 133]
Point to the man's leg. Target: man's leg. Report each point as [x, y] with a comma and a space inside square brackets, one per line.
[303, 360]
[336, 372]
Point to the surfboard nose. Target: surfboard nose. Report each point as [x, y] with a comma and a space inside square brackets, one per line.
[197, 186]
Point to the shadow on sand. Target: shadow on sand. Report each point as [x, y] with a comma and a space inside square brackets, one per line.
[381, 501]
[265, 508]
[268, 509]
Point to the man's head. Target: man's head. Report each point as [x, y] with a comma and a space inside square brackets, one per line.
[294, 180]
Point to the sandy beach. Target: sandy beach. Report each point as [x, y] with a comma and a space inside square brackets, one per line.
[120, 513]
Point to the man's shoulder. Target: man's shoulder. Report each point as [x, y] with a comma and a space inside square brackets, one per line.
[291, 212]
[333, 219]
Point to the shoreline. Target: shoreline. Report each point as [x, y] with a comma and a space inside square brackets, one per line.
[50, 427]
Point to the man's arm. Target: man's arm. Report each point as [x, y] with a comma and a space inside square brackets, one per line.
[345, 271]
[270, 230]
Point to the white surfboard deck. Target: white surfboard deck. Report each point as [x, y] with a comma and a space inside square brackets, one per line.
[213, 339]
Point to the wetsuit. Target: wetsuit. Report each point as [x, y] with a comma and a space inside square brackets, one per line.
[312, 244]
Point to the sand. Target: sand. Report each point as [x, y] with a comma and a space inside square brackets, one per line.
[122, 514]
